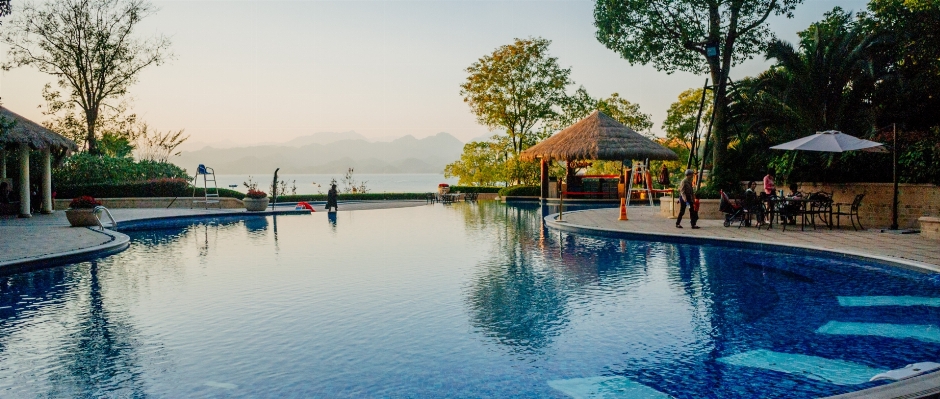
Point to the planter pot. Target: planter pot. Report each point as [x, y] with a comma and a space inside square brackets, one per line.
[81, 217]
[256, 204]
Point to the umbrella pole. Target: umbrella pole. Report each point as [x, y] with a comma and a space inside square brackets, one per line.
[894, 199]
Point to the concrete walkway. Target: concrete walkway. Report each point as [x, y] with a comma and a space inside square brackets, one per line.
[903, 249]
[44, 239]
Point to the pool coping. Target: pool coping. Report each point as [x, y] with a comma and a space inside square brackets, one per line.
[916, 387]
[798, 249]
[117, 242]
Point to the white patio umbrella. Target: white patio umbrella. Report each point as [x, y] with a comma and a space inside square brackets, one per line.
[831, 141]
[836, 141]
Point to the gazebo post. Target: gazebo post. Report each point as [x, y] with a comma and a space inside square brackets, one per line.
[47, 181]
[544, 191]
[24, 181]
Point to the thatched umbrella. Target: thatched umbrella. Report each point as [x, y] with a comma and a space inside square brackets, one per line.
[598, 137]
[23, 134]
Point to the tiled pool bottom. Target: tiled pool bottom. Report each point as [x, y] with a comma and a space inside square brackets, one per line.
[471, 300]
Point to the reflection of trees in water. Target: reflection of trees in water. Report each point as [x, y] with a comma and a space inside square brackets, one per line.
[101, 356]
[521, 295]
[63, 308]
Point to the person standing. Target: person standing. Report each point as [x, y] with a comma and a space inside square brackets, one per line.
[331, 199]
[769, 187]
[687, 200]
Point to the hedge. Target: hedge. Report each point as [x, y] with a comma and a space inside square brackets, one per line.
[474, 189]
[149, 188]
[85, 169]
[353, 197]
[520, 191]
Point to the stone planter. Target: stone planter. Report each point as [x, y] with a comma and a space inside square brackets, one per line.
[930, 227]
[81, 217]
[256, 204]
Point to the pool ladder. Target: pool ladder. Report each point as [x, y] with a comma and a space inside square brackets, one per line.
[98, 210]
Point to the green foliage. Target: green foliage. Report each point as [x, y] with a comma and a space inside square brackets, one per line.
[520, 191]
[682, 115]
[480, 164]
[83, 169]
[115, 145]
[919, 160]
[474, 189]
[353, 197]
[144, 189]
[517, 88]
[626, 113]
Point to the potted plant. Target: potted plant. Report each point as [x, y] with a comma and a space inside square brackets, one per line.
[256, 200]
[443, 188]
[81, 212]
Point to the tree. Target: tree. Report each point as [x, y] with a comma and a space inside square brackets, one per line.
[682, 116]
[518, 87]
[626, 113]
[482, 163]
[676, 34]
[5, 8]
[89, 46]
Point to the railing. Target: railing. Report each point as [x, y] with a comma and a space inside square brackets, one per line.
[98, 210]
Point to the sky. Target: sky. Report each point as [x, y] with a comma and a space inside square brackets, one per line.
[249, 72]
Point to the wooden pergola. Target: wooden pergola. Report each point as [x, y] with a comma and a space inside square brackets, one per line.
[21, 135]
[597, 137]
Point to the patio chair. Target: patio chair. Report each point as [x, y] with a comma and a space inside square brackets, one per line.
[820, 208]
[852, 213]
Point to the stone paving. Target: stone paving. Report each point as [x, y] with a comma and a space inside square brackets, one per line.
[42, 235]
[909, 248]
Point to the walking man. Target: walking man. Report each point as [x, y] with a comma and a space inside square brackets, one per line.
[687, 199]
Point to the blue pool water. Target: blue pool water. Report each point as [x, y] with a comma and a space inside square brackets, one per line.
[469, 300]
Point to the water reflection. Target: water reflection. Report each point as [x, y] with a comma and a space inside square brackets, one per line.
[256, 224]
[331, 218]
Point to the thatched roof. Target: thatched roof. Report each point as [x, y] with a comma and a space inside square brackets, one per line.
[598, 137]
[31, 133]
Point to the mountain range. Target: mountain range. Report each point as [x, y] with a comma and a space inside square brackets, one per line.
[331, 153]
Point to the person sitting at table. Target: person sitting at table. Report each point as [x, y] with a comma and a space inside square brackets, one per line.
[791, 209]
[752, 204]
[769, 187]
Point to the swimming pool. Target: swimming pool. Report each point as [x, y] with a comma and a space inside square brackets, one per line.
[464, 300]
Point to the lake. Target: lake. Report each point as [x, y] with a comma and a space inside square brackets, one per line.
[308, 183]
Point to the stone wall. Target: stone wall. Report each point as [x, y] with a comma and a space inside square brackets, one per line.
[914, 201]
[707, 209]
[156, 202]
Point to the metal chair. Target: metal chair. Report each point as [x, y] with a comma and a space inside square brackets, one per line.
[852, 212]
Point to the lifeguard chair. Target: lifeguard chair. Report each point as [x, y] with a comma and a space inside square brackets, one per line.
[208, 175]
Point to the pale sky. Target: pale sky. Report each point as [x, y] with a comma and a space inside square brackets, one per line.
[248, 72]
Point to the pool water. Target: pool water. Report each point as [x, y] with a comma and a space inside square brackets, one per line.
[463, 300]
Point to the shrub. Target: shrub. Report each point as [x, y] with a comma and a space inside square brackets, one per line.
[81, 169]
[83, 202]
[520, 191]
[474, 189]
[150, 188]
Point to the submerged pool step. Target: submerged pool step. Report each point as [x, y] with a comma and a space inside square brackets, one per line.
[888, 301]
[605, 388]
[922, 332]
[839, 372]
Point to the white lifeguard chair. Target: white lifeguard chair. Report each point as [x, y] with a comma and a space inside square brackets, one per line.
[640, 169]
[208, 175]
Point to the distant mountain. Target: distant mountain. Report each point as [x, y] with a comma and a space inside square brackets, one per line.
[324, 138]
[403, 155]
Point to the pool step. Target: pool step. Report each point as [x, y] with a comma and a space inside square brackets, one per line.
[921, 332]
[605, 388]
[888, 301]
[839, 372]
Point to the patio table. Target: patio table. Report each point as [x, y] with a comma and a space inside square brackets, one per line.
[807, 207]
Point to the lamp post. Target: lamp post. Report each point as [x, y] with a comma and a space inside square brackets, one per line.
[894, 199]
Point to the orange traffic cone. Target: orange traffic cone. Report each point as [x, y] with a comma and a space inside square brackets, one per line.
[623, 209]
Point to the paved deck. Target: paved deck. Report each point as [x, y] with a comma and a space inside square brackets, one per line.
[905, 249]
[46, 237]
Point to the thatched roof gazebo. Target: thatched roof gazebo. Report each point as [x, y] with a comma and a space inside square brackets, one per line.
[597, 137]
[21, 134]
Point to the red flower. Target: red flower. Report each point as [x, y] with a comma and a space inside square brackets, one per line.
[256, 194]
[84, 202]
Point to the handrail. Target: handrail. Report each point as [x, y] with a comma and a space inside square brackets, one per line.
[98, 210]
